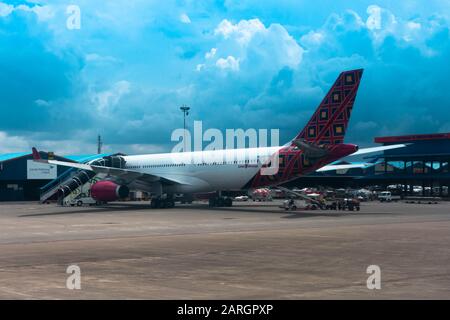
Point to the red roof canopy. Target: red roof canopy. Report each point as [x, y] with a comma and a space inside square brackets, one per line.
[413, 137]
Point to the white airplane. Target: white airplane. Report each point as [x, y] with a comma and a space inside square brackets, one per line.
[318, 145]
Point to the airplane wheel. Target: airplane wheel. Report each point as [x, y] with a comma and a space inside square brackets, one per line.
[212, 202]
[170, 204]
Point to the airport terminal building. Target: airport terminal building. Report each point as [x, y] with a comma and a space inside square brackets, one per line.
[423, 162]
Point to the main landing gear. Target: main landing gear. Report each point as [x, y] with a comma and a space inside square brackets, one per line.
[220, 202]
[162, 203]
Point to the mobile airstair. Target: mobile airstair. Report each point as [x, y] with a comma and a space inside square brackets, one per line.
[75, 182]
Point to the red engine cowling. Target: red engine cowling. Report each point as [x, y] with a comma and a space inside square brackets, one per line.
[108, 191]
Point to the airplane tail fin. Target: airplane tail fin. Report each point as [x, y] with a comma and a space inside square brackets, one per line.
[36, 155]
[329, 122]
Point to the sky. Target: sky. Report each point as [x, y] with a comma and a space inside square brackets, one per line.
[130, 65]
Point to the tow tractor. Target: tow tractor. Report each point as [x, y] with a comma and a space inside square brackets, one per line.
[308, 203]
[290, 204]
[349, 204]
[311, 203]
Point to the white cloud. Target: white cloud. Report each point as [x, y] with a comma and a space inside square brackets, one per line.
[242, 31]
[210, 54]
[140, 148]
[383, 23]
[229, 63]
[42, 103]
[200, 66]
[411, 31]
[250, 46]
[43, 12]
[95, 57]
[353, 19]
[312, 38]
[106, 99]
[12, 144]
[380, 24]
[5, 9]
[184, 18]
[225, 28]
[414, 25]
[278, 47]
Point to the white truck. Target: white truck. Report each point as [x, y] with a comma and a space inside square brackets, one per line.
[387, 196]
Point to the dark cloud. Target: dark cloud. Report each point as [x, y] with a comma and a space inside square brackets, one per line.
[125, 78]
[32, 78]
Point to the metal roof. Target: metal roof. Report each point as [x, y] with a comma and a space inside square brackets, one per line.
[9, 156]
[86, 157]
[77, 158]
[412, 138]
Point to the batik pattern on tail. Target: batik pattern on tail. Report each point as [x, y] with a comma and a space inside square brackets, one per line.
[329, 123]
[326, 129]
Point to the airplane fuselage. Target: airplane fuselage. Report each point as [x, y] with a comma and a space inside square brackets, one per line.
[232, 169]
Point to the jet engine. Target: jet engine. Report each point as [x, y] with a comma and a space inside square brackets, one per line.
[108, 191]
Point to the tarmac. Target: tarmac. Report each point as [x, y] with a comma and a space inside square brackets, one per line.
[249, 251]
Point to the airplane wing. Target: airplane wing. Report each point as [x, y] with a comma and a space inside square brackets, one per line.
[124, 175]
[377, 149]
[332, 167]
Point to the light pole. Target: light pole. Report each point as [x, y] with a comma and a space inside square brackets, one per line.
[185, 109]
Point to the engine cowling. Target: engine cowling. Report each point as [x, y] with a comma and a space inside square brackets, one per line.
[108, 191]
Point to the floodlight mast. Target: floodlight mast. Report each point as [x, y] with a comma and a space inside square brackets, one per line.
[185, 109]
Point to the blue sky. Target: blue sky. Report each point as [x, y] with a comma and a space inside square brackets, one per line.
[237, 64]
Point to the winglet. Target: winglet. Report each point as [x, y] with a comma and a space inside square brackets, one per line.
[36, 155]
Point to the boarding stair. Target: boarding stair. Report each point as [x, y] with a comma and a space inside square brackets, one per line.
[74, 182]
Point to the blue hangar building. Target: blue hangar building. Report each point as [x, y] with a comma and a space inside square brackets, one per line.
[21, 178]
